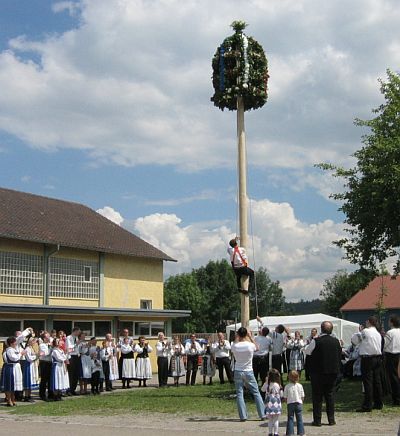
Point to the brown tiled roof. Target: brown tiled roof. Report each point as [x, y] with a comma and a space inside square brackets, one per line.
[46, 220]
[368, 298]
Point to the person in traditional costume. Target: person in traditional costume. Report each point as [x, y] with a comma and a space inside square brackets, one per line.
[63, 339]
[86, 364]
[221, 349]
[30, 373]
[12, 375]
[94, 352]
[59, 374]
[128, 370]
[45, 367]
[143, 364]
[74, 366]
[296, 346]
[97, 369]
[208, 362]
[124, 334]
[193, 350]
[108, 356]
[176, 364]
[163, 351]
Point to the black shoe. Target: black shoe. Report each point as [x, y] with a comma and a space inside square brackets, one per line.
[332, 423]
[378, 406]
[316, 424]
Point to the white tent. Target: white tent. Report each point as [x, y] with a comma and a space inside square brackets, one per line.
[304, 323]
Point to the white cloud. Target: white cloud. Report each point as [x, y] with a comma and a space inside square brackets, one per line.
[131, 87]
[111, 214]
[298, 254]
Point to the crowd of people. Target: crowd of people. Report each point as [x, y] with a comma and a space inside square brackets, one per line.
[57, 364]
[324, 357]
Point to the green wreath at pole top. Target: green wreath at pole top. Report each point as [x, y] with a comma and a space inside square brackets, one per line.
[240, 68]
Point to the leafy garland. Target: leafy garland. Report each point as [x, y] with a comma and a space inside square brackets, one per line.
[240, 68]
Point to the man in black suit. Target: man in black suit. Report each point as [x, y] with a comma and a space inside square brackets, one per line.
[325, 365]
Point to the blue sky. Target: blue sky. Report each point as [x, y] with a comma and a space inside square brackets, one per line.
[108, 103]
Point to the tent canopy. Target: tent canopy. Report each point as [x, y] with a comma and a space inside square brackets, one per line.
[342, 328]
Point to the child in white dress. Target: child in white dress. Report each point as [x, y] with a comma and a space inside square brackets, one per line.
[273, 404]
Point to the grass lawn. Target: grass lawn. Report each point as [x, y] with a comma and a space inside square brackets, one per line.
[199, 400]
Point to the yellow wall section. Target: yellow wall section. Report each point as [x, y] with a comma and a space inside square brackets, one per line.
[73, 302]
[15, 245]
[18, 299]
[127, 280]
[74, 253]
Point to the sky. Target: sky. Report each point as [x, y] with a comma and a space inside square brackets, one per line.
[107, 103]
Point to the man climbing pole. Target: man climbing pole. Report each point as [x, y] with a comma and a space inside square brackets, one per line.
[239, 264]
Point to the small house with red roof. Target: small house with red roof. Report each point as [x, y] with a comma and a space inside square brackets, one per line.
[381, 295]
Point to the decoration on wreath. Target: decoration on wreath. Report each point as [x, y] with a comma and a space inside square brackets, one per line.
[240, 68]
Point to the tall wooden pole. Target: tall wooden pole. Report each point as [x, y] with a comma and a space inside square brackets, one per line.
[242, 165]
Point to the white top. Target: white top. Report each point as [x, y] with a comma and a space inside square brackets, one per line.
[292, 343]
[13, 355]
[193, 349]
[177, 349]
[221, 350]
[126, 348]
[163, 348]
[121, 340]
[264, 344]
[392, 341]
[278, 342]
[58, 355]
[235, 258]
[294, 393]
[138, 349]
[30, 354]
[370, 341]
[45, 352]
[243, 352]
[71, 344]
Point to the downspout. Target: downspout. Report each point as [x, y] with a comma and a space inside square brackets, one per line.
[46, 264]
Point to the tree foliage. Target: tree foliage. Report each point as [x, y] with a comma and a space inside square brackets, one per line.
[338, 289]
[371, 200]
[210, 292]
[270, 297]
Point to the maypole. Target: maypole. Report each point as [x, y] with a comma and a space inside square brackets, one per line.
[240, 76]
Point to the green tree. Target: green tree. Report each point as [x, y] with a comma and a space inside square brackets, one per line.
[218, 284]
[338, 289]
[371, 199]
[182, 292]
[270, 299]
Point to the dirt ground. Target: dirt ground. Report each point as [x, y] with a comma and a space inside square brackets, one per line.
[162, 424]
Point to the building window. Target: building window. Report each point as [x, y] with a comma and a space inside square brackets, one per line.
[122, 325]
[21, 274]
[157, 327]
[65, 326]
[87, 274]
[85, 326]
[68, 279]
[36, 324]
[9, 327]
[142, 328]
[146, 304]
[101, 328]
